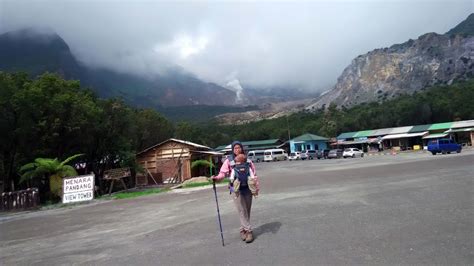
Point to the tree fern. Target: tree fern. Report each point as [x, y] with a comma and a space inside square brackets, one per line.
[53, 168]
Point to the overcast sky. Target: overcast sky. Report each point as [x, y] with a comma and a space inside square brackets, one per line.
[266, 43]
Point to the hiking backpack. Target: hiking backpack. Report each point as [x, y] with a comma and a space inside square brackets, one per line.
[241, 172]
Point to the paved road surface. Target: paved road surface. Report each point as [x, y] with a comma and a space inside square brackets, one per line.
[405, 209]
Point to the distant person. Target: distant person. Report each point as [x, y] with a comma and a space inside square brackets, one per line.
[242, 199]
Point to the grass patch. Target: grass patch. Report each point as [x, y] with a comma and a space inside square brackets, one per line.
[48, 205]
[128, 195]
[201, 184]
[134, 194]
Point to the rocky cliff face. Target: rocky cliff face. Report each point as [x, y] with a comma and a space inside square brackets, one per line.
[268, 110]
[383, 74]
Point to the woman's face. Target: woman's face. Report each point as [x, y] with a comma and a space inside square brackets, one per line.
[237, 150]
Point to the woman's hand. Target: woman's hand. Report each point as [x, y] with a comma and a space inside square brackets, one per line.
[215, 178]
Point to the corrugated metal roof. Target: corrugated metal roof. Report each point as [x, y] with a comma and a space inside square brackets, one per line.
[176, 140]
[438, 126]
[400, 130]
[381, 132]
[309, 137]
[420, 128]
[265, 144]
[465, 123]
[189, 143]
[364, 133]
[210, 152]
[347, 135]
[262, 147]
[435, 136]
[222, 147]
[405, 135]
[260, 142]
[351, 142]
[459, 130]
[407, 129]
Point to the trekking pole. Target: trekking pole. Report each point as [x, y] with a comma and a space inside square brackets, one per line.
[218, 212]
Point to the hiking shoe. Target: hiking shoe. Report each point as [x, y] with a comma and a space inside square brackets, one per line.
[243, 235]
[249, 237]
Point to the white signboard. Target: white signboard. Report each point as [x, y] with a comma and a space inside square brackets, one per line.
[78, 188]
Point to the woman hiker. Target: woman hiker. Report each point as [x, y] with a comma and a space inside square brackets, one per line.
[243, 202]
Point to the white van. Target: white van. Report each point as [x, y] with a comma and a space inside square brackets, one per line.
[256, 156]
[275, 155]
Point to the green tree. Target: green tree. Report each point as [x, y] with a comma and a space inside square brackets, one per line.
[48, 116]
[111, 139]
[150, 128]
[329, 125]
[12, 129]
[51, 170]
[188, 131]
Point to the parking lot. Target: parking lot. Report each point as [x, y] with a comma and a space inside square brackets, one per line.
[410, 208]
[366, 161]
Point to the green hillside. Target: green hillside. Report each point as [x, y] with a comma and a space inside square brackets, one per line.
[465, 28]
[433, 105]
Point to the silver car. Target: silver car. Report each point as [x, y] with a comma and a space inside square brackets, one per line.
[335, 154]
[352, 153]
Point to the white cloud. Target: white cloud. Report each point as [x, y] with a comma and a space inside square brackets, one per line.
[270, 43]
[183, 46]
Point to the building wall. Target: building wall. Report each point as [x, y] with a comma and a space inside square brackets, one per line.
[404, 143]
[163, 161]
[308, 145]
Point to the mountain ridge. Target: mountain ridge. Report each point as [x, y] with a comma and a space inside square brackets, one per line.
[36, 52]
[386, 73]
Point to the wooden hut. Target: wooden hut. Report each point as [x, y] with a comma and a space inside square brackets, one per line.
[170, 161]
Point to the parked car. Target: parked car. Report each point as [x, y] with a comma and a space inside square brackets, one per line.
[294, 156]
[311, 154]
[443, 146]
[323, 154]
[335, 153]
[352, 152]
[275, 155]
[303, 155]
[256, 156]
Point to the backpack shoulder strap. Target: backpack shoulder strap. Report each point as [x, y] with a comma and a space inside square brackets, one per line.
[247, 168]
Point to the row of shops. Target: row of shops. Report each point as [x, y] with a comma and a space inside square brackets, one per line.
[172, 160]
[396, 138]
[407, 138]
[300, 143]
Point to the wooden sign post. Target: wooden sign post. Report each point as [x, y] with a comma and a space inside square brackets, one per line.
[117, 174]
